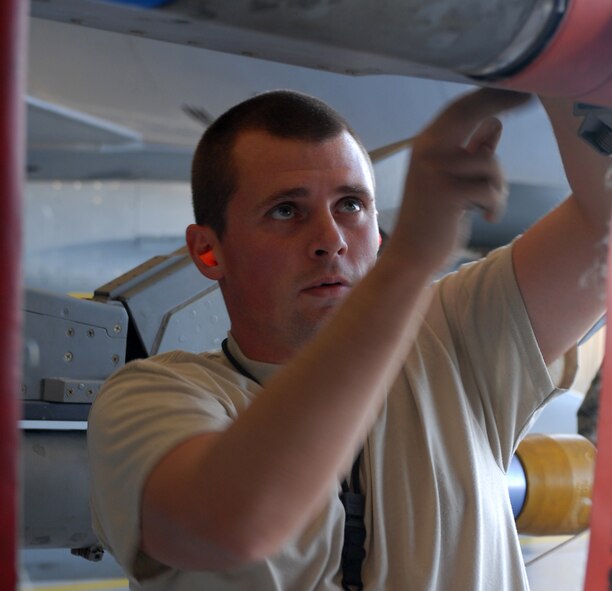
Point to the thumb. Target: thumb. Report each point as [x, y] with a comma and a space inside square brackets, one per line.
[486, 137]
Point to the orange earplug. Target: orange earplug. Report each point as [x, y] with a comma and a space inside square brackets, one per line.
[208, 258]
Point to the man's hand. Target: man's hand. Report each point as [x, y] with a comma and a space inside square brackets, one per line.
[453, 170]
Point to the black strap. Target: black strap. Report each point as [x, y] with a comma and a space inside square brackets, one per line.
[353, 551]
[237, 365]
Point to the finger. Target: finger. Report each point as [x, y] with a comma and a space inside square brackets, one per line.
[481, 196]
[486, 137]
[460, 164]
[455, 124]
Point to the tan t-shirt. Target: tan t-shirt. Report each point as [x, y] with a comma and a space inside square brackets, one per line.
[438, 515]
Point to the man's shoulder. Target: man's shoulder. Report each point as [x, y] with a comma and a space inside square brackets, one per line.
[477, 261]
[177, 371]
[179, 356]
[173, 361]
[479, 274]
[173, 379]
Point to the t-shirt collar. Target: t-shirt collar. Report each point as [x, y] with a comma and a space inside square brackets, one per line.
[260, 370]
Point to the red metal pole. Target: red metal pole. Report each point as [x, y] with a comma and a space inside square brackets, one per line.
[599, 563]
[13, 14]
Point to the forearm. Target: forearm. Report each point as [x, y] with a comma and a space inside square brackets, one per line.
[269, 473]
[250, 488]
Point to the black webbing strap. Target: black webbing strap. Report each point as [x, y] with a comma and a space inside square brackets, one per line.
[353, 551]
[237, 365]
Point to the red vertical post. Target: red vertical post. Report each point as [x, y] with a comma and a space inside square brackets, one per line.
[599, 564]
[13, 14]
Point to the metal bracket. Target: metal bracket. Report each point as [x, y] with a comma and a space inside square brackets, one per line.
[93, 553]
[596, 129]
[70, 390]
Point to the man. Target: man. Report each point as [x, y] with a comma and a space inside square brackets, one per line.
[221, 470]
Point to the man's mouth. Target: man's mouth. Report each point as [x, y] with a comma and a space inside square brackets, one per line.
[332, 287]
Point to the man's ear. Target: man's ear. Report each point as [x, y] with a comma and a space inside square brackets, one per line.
[205, 251]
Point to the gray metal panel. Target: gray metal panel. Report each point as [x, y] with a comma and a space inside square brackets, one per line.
[71, 339]
[71, 391]
[54, 126]
[197, 325]
[55, 484]
[145, 162]
[171, 304]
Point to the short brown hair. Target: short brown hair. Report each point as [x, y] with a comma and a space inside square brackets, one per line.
[281, 113]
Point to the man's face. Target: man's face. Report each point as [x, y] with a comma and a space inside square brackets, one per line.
[301, 231]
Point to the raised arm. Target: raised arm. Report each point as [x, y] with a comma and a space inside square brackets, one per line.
[237, 496]
[560, 262]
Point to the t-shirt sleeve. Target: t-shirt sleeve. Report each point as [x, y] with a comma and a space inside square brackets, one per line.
[144, 411]
[504, 374]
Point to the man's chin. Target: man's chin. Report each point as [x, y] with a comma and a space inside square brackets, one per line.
[315, 320]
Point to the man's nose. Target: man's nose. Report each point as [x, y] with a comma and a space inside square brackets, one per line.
[328, 238]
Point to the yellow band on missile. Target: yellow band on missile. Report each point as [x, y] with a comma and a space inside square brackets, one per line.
[559, 471]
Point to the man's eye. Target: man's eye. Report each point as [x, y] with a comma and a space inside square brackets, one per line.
[351, 204]
[285, 211]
